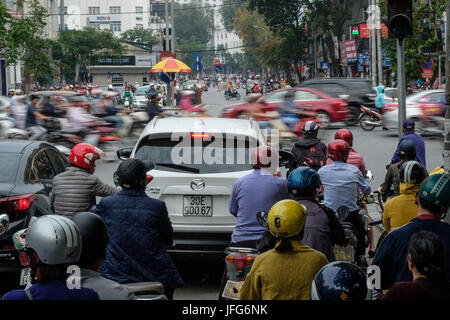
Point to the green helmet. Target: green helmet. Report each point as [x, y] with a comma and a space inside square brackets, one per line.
[436, 190]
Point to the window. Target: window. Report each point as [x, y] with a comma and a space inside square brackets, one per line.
[140, 26]
[59, 10]
[301, 95]
[114, 10]
[331, 89]
[115, 27]
[40, 168]
[139, 10]
[138, 18]
[58, 163]
[276, 97]
[94, 10]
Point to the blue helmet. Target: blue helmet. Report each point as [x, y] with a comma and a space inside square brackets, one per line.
[340, 281]
[304, 178]
[310, 127]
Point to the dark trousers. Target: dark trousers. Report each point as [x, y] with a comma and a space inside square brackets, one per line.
[355, 219]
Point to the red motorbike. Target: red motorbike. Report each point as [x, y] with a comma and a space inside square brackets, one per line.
[369, 119]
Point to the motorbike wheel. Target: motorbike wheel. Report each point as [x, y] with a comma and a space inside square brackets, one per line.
[238, 96]
[353, 116]
[365, 126]
[227, 96]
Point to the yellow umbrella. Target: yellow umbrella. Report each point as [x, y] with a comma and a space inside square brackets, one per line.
[170, 65]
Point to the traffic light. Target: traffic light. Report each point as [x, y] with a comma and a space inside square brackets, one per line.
[400, 19]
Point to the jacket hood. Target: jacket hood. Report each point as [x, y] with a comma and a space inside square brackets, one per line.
[380, 89]
[307, 142]
[408, 188]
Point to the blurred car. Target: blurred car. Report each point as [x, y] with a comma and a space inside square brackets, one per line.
[356, 91]
[140, 99]
[428, 102]
[328, 109]
[190, 84]
[26, 175]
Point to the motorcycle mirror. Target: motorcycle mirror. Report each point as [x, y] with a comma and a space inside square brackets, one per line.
[369, 175]
[261, 216]
[4, 223]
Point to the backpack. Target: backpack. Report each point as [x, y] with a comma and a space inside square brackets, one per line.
[314, 158]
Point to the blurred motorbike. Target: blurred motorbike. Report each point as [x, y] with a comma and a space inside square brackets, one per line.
[234, 94]
[369, 119]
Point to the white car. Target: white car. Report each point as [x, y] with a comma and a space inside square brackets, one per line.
[196, 190]
[414, 106]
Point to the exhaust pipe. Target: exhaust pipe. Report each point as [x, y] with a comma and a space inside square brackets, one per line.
[372, 123]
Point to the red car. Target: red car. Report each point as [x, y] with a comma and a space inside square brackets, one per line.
[328, 109]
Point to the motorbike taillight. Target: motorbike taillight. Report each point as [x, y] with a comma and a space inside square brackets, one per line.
[240, 260]
[24, 260]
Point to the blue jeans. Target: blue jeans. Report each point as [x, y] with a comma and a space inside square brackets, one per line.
[290, 121]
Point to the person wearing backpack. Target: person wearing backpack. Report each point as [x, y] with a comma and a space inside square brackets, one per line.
[310, 151]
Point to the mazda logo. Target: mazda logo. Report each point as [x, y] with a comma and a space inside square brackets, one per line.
[197, 184]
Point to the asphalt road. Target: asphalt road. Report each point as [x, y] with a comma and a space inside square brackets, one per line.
[201, 275]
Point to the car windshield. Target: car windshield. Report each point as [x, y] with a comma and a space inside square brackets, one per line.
[198, 153]
[8, 169]
[141, 91]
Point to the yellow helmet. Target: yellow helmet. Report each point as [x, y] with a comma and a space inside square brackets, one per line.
[286, 218]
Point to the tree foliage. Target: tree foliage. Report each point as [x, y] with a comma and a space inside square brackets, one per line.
[228, 11]
[191, 20]
[142, 38]
[75, 48]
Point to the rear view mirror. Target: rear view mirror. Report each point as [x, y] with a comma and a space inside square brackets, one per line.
[369, 175]
[261, 216]
[285, 158]
[4, 223]
[124, 153]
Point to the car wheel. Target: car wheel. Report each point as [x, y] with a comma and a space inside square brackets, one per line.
[353, 116]
[324, 118]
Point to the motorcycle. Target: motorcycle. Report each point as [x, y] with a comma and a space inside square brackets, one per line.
[369, 119]
[234, 94]
[142, 290]
[238, 262]
[9, 131]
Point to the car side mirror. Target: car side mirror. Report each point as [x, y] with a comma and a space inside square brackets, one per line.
[124, 153]
[285, 158]
[261, 216]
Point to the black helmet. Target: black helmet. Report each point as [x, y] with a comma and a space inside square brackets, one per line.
[412, 172]
[94, 233]
[130, 172]
[407, 149]
[340, 281]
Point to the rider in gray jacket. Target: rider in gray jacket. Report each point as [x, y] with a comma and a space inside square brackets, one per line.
[75, 189]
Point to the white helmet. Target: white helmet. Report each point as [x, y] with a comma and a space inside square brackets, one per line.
[55, 239]
[18, 92]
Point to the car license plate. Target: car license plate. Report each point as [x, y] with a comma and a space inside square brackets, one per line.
[198, 206]
[25, 276]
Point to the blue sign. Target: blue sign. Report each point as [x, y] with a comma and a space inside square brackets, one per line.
[360, 67]
[167, 77]
[108, 74]
[218, 69]
[324, 66]
[200, 67]
[361, 58]
[199, 55]
[387, 62]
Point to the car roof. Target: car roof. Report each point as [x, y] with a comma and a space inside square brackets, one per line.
[14, 146]
[423, 93]
[197, 124]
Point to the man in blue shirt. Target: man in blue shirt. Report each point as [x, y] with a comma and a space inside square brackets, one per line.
[37, 132]
[341, 182]
[409, 134]
[255, 192]
[433, 200]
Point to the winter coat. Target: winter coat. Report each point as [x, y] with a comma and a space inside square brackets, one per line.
[140, 232]
[401, 209]
[75, 189]
[302, 148]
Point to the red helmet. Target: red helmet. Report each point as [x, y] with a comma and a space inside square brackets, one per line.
[262, 156]
[84, 155]
[338, 150]
[344, 134]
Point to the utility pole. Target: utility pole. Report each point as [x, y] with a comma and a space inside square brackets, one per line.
[61, 17]
[172, 24]
[401, 85]
[378, 30]
[447, 95]
[169, 85]
[372, 17]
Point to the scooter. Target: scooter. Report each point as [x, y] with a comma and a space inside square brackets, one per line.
[369, 119]
[9, 131]
[238, 262]
[234, 94]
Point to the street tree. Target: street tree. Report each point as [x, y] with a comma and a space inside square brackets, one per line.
[76, 48]
[193, 20]
[228, 11]
[142, 38]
